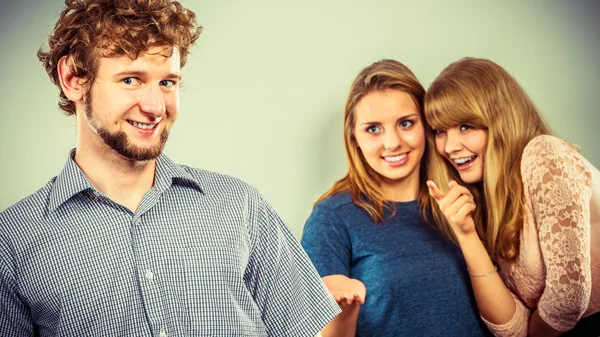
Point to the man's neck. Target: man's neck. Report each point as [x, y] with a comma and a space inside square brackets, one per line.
[122, 180]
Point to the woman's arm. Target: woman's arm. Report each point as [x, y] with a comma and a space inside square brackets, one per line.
[493, 298]
[559, 185]
[350, 295]
[327, 242]
[500, 310]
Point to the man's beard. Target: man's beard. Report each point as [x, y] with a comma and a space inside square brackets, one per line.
[119, 141]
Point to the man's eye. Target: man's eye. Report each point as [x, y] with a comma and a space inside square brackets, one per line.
[130, 81]
[167, 83]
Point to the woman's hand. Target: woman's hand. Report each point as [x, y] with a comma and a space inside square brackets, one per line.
[350, 295]
[457, 205]
[346, 291]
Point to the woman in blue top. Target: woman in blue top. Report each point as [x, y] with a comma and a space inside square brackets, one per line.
[391, 272]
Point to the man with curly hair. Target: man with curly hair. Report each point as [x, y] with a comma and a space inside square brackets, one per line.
[124, 242]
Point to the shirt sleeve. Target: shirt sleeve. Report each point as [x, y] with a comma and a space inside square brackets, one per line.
[15, 319]
[327, 242]
[560, 186]
[517, 326]
[285, 285]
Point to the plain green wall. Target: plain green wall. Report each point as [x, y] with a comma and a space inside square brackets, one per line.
[264, 89]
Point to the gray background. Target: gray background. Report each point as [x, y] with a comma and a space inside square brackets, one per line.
[264, 89]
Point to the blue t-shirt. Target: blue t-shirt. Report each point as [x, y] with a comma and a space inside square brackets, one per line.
[416, 279]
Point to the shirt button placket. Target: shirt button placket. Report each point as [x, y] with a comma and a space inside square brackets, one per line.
[146, 275]
[149, 275]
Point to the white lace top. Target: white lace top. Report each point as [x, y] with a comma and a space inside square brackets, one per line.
[560, 241]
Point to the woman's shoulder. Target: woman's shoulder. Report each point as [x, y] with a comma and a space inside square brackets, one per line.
[547, 158]
[548, 146]
[547, 150]
[335, 209]
[336, 202]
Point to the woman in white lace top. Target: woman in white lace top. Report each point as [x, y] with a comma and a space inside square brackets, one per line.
[517, 200]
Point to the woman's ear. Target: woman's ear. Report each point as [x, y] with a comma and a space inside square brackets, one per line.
[72, 86]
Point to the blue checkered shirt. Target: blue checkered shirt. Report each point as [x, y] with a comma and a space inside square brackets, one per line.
[204, 255]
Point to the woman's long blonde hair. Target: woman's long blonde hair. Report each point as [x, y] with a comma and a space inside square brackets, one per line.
[364, 183]
[482, 94]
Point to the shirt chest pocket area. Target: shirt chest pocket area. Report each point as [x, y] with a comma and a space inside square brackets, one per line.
[218, 302]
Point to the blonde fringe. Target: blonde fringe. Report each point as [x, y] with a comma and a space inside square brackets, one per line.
[481, 93]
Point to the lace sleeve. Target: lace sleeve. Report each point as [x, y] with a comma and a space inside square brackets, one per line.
[561, 189]
[516, 327]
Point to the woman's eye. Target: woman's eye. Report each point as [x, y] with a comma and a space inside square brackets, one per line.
[464, 127]
[406, 124]
[439, 131]
[373, 129]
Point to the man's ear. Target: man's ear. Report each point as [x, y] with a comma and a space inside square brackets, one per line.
[72, 86]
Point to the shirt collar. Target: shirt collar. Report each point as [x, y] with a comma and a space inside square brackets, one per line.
[72, 181]
[168, 173]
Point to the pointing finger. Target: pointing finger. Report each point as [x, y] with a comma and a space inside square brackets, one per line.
[452, 183]
[434, 191]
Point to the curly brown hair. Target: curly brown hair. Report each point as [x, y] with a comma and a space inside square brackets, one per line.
[90, 29]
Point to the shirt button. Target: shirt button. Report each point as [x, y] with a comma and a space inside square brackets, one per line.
[149, 275]
[162, 333]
